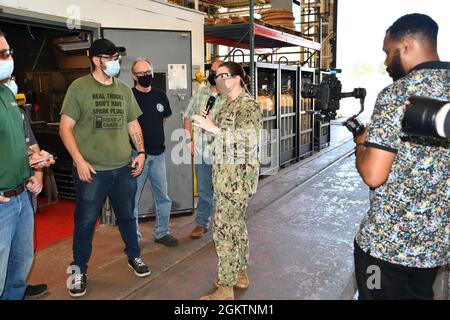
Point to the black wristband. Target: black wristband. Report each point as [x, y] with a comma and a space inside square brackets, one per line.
[144, 153]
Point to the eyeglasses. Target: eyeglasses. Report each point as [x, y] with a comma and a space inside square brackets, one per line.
[224, 75]
[113, 57]
[6, 53]
[143, 73]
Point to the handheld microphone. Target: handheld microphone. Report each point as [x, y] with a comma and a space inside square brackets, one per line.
[210, 104]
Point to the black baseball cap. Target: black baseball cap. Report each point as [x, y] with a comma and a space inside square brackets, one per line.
[104, 46]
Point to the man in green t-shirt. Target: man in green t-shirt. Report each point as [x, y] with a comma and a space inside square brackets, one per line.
[98, 117]
[16, 213]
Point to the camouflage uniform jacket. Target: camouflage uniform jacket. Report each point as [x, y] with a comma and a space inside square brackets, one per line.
[235, 152]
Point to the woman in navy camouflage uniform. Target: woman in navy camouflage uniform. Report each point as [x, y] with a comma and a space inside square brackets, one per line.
[235, 176]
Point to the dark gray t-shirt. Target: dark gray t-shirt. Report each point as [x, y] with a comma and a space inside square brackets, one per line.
[29, 135]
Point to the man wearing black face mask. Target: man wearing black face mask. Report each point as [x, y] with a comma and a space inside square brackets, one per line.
[155, 109]
[201, 150]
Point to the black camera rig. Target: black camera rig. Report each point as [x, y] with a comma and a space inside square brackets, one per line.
[423, 116]
[328, 95]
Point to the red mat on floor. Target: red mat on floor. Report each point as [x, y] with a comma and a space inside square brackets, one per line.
[54, 223]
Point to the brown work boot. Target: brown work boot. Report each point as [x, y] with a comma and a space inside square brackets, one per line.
[198, 232]
[221, 293]
[242, 281]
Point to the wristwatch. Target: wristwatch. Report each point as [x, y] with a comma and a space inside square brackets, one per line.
[144, 153]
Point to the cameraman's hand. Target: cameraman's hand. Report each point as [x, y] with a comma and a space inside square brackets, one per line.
[360, 139]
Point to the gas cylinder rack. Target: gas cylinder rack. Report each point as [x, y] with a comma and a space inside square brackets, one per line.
[306, 114]
[289, 114]
[281, 141]
[267, 90]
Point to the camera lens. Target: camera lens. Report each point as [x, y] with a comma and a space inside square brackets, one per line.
[427, 117]
[443, 121]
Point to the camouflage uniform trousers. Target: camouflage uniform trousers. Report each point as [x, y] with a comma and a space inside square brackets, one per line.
[230, 236]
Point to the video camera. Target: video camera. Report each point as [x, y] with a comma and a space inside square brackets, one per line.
[423, 116]
[328, 95]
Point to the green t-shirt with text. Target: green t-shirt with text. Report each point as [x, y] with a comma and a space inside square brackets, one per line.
[102, 113]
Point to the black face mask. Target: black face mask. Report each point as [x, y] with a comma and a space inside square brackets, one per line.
[145, 81]
[395, 69]
[211, 79]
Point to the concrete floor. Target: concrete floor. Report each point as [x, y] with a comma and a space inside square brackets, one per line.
[301, 247]
[301, 228]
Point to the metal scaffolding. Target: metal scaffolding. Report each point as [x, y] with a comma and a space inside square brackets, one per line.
[318, 21]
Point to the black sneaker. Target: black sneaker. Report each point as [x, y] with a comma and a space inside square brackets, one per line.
[139, 267]
[36, 291]
[168, 241]
[78, 285]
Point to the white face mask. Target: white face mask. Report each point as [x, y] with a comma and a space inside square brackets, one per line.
[6, 69]
[112, 68]
[12, 85]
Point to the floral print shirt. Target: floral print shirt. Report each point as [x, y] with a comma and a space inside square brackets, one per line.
[408, 220]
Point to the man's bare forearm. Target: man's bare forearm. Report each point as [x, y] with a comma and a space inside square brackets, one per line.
[70, 143]
[138, 140]
[135, 132]
[360, 154]
[187, 129]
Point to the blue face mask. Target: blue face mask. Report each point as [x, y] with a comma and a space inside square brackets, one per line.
[112, 68]
[6, 69]
[12, 85]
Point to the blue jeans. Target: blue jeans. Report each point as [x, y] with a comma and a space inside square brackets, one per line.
[205, 204]
[119, 186]
[155, 170]
[16, 246]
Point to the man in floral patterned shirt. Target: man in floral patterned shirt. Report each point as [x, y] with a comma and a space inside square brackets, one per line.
[404, 238]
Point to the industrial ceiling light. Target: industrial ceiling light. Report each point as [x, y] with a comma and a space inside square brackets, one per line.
[82, 41]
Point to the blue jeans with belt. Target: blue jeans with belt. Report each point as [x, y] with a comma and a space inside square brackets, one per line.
[120, 187]
[16, 246]
[155, 170]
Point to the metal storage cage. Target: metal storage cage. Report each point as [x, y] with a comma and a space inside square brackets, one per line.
[267, 88]
[288, 114]
[322, 129]
[306, 112]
